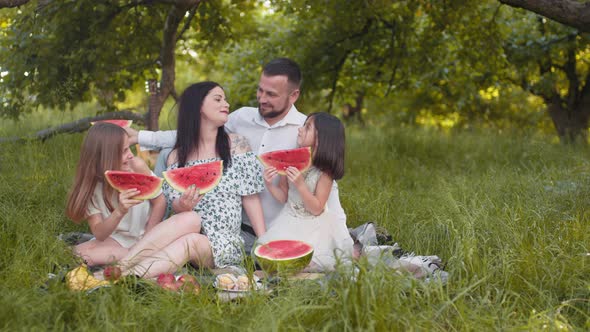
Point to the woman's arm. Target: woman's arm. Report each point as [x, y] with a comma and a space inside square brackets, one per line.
[251, 204]
[103, 228]
[314, 203]
[157, 211]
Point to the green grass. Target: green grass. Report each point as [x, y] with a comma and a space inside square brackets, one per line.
[508, 214]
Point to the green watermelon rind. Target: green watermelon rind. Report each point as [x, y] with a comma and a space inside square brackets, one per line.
[115, 122]
[181, 188]
[284, 266]
[268, 163]
[147, 195]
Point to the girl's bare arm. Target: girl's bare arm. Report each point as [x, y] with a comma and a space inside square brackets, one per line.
[315, 203]
[157, 211]
[278, 192]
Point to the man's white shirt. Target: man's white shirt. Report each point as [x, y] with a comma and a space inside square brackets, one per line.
[262, 138]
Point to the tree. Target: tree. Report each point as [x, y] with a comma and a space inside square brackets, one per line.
[443, 58]
[358, 51]
[72, 51]
[574, 13]
[552, 61]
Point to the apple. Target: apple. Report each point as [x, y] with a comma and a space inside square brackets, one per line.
[112, 273]
[189, 283]
[166, 278]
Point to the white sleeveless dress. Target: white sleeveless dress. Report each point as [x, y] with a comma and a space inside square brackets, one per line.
[327, 234]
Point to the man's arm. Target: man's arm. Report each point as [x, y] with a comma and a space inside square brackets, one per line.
[152, 140]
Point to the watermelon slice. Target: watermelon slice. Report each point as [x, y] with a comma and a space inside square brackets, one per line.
[284, 256]
[148, 185]
[299, 158]
[120, 123]
[204, 176]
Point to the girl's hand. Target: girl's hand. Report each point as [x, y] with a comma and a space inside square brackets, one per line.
[269, 174]
[294, 176]
[189, 199]
[126, 200]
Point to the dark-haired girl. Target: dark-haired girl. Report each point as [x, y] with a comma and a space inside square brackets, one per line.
[305, 216]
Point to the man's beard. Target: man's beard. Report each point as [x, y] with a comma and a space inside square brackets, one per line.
[271, 114]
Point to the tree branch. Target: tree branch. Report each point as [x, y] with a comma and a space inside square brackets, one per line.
[12, 3]
[574, 13]
[339, 66]
[187, 23]
[78, 125]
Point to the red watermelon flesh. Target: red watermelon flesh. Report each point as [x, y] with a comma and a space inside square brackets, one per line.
[299, 158]
[120, 123]
[148, 185]
[204, 176]
[284, 256]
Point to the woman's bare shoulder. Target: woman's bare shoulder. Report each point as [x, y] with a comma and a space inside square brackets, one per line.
[238, 144]
[172, 157]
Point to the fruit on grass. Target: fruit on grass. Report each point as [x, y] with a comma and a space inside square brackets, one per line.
[189, 283]
[299, 158]
[168, 281]
[204, 176]
[80, 279]
[148, 185]
[284, 256]
[121, 123]
[112, 273]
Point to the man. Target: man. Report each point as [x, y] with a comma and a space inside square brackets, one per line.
[272, 126]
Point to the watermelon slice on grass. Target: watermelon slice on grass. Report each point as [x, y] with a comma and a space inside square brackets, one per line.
[148, 185]
[299, 158]
[284, 256]
[204, 176]
[121, 123]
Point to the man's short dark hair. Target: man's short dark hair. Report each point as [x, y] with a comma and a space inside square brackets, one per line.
[284, 67]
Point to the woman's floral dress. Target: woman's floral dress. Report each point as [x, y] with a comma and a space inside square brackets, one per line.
[221, 208]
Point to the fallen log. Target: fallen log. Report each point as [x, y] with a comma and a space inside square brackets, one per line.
[78, 126]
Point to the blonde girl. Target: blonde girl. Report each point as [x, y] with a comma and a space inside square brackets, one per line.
[116, 220]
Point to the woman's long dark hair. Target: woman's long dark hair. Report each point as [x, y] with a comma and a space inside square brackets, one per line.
[189, 124]
[328, 156]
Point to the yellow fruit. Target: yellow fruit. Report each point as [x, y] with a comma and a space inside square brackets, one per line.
[80, 279]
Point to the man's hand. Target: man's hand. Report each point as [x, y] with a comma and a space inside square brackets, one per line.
[132, 135]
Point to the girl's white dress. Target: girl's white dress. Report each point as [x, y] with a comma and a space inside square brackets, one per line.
[327, 234]
[131, 227]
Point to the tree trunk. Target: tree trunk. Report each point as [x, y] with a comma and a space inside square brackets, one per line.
[154, 105]
[571, 124]
[168, 61]
[355, 112]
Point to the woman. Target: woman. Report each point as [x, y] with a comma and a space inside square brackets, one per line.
[201, 138]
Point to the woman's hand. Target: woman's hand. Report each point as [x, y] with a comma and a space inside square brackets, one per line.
[188, 200]
[126, 200]
[294, 176]
[269, 174]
